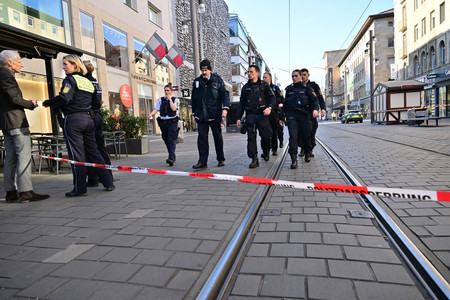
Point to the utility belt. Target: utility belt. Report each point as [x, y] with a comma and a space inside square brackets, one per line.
[87, 112]
[302, 109]
[258, 111]
[164, 121]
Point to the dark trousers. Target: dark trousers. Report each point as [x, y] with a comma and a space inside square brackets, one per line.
[261, 123]
[314, 126]
[202, 140]
[100, 140]
[169, 134]
[299, 125]
[280, 132]
[274, 123]
[81, 145]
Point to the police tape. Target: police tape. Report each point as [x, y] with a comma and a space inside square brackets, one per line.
[360, 190]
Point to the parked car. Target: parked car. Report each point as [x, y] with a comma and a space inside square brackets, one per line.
[352, 116]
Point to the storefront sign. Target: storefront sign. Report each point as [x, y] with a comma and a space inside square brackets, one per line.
[143, 78]
[431, 76]
[185, 92]
[125, 95]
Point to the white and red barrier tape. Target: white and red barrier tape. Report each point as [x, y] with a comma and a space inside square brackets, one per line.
[361, 190]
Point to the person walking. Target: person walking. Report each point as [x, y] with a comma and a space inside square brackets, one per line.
[16, 132]
[274, 115]
[323, 108]
[300, 99]
[257, 101]
[210, 104]
[98, 125]
[75, 100]
[168, 121]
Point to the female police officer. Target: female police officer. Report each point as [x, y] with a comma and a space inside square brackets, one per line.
[300, 99]
[168, 121]
[75, 100]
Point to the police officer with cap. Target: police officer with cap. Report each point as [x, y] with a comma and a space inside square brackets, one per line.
[300, 99]
[257, 100]
[210, 104]
[75, 100]
[315, 124]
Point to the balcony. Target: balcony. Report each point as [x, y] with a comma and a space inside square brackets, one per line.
[402, 53]
[402, 26]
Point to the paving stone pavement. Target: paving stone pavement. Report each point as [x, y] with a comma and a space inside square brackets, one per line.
[159, 237]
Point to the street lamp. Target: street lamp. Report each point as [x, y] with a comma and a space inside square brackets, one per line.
[371, 40]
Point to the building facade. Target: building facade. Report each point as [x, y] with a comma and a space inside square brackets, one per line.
[422, 37]
[334, 96]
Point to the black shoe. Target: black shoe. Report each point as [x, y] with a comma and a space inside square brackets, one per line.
[311, 154]
[110, 188]
[221, 163]
[169, 161]
[307, 157]
[26, 197]
[200, 166]
[75, 194]
[254, 163]
[294, 164]
[12, 196]
[274, 153]
[266, 155]
[281, 145]
[302, 153]
[92, 184]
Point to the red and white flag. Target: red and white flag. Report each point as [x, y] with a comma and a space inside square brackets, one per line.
[156, 46]
[175, 56]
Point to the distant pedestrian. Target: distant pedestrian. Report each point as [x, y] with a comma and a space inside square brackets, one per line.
[274, 115]
[333, 116]
[257, 101]
[14, 124]
[300, 99]
[210, 104]
[168, 121]
[75, 100]
[314, 122]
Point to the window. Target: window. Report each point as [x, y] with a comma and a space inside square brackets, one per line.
[416, 65]
[432, 20]
[432, 58]
[154, 15]
[115, 47]
[141, 57]
[405, 71]
[30, 21]
[424, 61]
[43, 26]
[54, 30]
[16, 16]
[442, 52]
[131, 4]
[416, 4]
[390, 24]
[405, 44]
[416, 32]
[391, 42]
[442, 12]
[87, 32]
[424, 26]
[404, 15]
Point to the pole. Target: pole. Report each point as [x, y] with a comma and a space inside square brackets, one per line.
[289, 20]
[345, 89]
[331, 91]
[195, 38]
[371, 76]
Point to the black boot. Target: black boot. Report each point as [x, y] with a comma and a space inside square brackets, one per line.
[266, 155]
[307, 157]
[302, 153]
[254, 163]
[294, 163]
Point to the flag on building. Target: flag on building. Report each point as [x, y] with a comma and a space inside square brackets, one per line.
[156, 46]
[175, 56]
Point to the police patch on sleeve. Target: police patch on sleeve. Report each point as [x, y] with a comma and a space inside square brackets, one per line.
[226, 88]
[66, 88]
[314, 94]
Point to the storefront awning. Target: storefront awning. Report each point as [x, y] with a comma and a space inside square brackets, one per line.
[31, 45]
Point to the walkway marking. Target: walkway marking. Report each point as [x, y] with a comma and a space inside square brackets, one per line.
[68, 254]
[137, 214]
[350, 189]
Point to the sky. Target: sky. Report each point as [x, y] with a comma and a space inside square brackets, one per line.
[315, 27]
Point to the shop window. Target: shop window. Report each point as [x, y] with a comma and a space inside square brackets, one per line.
[116, 48]
[87, 32]
[141, 58]
[131, 4]
[154, 14]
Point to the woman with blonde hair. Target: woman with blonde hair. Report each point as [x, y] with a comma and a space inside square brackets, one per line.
[75, 100]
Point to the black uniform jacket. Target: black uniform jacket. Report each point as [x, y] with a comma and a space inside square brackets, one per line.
[12, 104]
[299, 97]
[278, 95]
[255, 97]
[319, 95]
[209, 98]
[97, 97]
[76, 95]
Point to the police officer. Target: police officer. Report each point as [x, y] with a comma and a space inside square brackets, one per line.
[300, 99]
[315, 124]
[257, 100]
[98, 125]
[210, 104]
[274, 115]
[75, 101]
[168, 121]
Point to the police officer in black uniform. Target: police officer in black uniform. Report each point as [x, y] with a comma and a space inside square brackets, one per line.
[300, 99]
[98, 125]
[210, 104]
[315, 124]
[257, 100]
[75, 101]
[274, 115]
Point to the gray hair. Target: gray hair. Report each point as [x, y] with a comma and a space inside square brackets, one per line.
[6, 55]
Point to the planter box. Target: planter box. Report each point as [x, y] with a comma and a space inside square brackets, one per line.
[136, 146]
